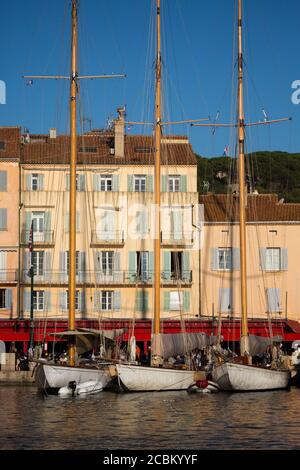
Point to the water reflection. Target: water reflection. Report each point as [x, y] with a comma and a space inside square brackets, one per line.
[268, 420]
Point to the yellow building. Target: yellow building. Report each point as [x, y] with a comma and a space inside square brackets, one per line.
[115, 225]
[273, 255]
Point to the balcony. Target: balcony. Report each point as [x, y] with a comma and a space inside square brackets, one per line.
[176, 238]
[111, 278]
[45, 238]
[8, 276]
[107, 238]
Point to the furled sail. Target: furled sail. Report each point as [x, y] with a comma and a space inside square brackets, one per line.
[259, 344]
[168, 345]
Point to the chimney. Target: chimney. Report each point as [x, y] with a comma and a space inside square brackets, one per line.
[52, 133]
[119, 133]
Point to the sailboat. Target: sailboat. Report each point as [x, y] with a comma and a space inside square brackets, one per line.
[240, 374]
[48, 374]
[158, 377]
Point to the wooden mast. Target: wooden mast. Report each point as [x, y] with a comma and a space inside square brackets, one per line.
[73, 158]
[244, 344]
[156, 328]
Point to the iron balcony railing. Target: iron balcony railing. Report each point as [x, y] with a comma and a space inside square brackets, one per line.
[8, 275]
[107, 277]
[114, 237]
[39, 238]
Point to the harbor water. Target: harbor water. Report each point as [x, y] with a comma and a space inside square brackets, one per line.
[166, 420]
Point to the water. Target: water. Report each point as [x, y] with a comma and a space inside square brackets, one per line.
[167, 420]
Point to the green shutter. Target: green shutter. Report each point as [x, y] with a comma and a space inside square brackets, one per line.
[164, 183]
[117, 300]
[150, 184]
[129, 183]
[8, 298]
[186, 301]
[40, 182]
[47, 226]
[132, 265]
[167, 265]
[141, 304]
[96, 182]
[151, 266]
[183, 183]
[186, 266]
[166, 301]
[115, 183]
[68, 182]
[3, 219]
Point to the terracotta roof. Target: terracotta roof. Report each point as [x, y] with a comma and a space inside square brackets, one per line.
[10, 137]
[97, 149]
[260, 208]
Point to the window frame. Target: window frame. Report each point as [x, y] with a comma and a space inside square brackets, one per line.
[107, 300]
[140, 181]
[39, 300]
[271, 259]
[179, 301]
[173, 181]
[227, 266]
[105, 179]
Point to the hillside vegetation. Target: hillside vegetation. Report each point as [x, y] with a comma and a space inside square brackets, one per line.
[271, 172]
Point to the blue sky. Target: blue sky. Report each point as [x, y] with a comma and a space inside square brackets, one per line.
[115, 36]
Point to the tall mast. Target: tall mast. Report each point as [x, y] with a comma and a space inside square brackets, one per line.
[244, 345]
[157, 174]
[73, 158]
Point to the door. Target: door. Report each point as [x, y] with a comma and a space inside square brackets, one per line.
[38, 221]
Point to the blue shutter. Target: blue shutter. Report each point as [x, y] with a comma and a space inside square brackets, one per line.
[81, 182]
[166, 301]
[129, 183]
[68, 182]
[132, 265]
[115, 182]
[183, 184]
[214, 259]
[150, 184]
[186, 266]
[96, 186]
[47, 301]
[47, 266]
[186, 301]
[97, 300]
[3, 219]
[164, 183]
[116, 261]
[3, 181]
[235, 259]
[40, 182]
[48, 226]
[273, 299]
[263, 259]
[284, 259]
[8, 298]
[81, 266]
[151, 266]
[167, 265]
[63, 301]
[26, 301]
[63, 266]
[225, 300]
[117, 300]
[28, 182]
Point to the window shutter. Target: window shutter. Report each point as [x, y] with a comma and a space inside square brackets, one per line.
[225, 300]
[214, 259]
[273, 299]
[96, 183]
[235, 259]
[26, 265]
[151, 266]
[68, 182]
[28, 182]
[167, 265]
[63, 266]
[166, 301]
[116, 261]
[284, 259]
[115, 182]
[47, 266]
[130, 183]
[63, 301]
[3, 219]
[150, 184]
[40, 182]
[47, 226]
[28, 217]
[117, 300]
[164, 183]
[263, 259]
[47, 301]
[67, 222]
[81, 266]
[81, 301]
[186, 301]
[186, 266]
[183, 184]
[8, 298]
[97, 300]
[132, 265]
[81, 180]
[26, 301]
[3, 265]
[3, 181]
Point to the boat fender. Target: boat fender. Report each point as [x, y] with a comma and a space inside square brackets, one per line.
[202, 383]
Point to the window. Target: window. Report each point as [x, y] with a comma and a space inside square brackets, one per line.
[176, 300]
[76, 300]
[142, 261]
[107, 262]
[2, 298]
[38, 300]
[273, 259]
[107, 300]
[3, 219]
[38, 221]
[225, 259]
[174, 184]
[140, 183]
[105, 182]
[176, 264]
[34, 182]
[38, 262]
[80, 182]
[67, 265]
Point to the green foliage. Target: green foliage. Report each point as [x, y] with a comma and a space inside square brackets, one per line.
[269, 172]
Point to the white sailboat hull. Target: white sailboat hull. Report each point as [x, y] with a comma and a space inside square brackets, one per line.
[56, 376]
[150, 379]
[240, 377]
